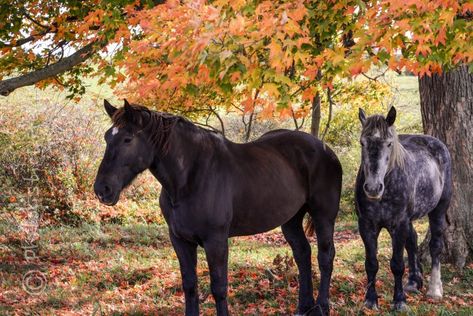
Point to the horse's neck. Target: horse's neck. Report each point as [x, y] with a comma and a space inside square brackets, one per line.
[173, 165]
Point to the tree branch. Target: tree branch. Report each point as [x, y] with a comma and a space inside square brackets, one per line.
[29, 17]
[23, 40]
[9, 85]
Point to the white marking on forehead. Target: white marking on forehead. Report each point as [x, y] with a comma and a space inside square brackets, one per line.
[376, 133]
[115, 131]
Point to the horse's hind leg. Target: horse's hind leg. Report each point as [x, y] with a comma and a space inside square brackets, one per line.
[437, 224]
[415, 281]
[324, 212]
[294, 234]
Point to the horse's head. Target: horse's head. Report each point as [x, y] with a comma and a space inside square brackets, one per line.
[128, 152]
[379, 145]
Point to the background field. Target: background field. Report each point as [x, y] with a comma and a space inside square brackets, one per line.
[100, 260]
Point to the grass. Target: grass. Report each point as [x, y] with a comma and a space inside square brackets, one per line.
[132, 270]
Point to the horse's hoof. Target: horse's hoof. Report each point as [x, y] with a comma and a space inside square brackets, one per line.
[371, 305]
[316, 310]
[307, 312]
[400, 307]
[435, 292]
[411, 287]
[435, 295]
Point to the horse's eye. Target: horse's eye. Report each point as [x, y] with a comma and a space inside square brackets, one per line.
[127, 140]
[389, 145]
[362, 144]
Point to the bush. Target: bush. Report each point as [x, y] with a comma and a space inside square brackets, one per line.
[48, 160]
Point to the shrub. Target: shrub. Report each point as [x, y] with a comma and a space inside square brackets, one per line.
[49, 157]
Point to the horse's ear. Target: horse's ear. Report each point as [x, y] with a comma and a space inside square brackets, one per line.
[110, 109]
[391, 117]
[131, 114]
[361, 116]
[128, 110]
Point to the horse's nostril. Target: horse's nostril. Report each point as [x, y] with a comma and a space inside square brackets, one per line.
[365, 187]
[106, 189]
[380, 187]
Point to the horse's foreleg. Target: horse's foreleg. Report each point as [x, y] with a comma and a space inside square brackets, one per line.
[437, 224]
[399, 236]
[415, 281]
[187, 256]
[216, 251]
[369, 234]
[294, 234]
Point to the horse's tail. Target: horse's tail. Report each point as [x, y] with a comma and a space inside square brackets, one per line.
[309, 227]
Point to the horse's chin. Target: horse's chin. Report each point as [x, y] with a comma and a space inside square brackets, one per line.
[110, 203]
[374, 198]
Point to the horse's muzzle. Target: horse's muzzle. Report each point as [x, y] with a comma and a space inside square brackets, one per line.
[374, 192]
[105, 194]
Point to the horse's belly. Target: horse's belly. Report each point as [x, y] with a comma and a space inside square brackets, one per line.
[264, 215]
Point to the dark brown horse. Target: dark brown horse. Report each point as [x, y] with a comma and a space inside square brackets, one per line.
[213, 189]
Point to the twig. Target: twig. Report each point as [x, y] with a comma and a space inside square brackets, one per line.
[296, 123]
[376, 77]
[252, 116]
[222, 125]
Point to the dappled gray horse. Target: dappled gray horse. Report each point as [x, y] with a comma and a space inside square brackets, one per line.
[213, 189]
[400, 180]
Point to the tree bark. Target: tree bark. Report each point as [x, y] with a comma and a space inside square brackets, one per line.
[315, 121]
[447, 113]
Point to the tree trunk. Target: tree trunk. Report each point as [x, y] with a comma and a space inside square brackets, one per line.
[315, 121]
[447, 113]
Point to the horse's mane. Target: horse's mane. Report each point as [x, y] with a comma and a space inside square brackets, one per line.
[399, 153]
[157, 125]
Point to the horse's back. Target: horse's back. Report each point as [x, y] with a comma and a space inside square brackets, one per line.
[294, 141]
[306, 151]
